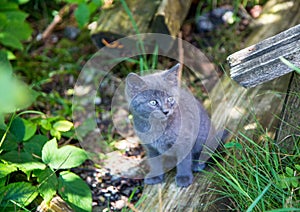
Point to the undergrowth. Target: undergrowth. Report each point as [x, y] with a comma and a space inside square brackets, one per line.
[258, 176]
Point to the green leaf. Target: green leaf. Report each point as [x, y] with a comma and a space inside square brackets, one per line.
[10, 40]
[55, 134]
[22, 129]
[10, 142]
[63, 125]
[48, 183]
[75, 191]
[6, 169]
[45, 124]
[23, 160]
[233, 145]
[15, 15]
[65, 157]
[82, 14]
[21, 192]
[17, 30]
[297, 167]
[35, 145]
[289, 171]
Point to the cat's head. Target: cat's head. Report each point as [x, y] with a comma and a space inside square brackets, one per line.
[154, 95]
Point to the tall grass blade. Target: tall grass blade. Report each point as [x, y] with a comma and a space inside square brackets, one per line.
[258, 198]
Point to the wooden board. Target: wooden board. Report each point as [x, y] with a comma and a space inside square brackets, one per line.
[261, 62]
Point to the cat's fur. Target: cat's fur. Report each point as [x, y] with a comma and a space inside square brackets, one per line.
[170, 122]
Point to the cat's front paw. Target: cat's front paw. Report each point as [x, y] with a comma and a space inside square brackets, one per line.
[184, 180]
[198, 167]
[153, 180]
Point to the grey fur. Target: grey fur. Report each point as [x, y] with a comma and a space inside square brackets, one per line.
[174, 128]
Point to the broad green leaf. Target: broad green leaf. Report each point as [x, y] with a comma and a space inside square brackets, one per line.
[10, 142]
[6, 169]
[63, 125]
[65, 157]
[75, 191]
[15, 15]
[22, 129]
[297, 167]
[35, 145]
[48, 183]
[82, 14]
[21, 192]
[10, 40]
[23, 160]
[19, 31]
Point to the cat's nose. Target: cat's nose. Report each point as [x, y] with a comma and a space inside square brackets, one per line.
[166, 112]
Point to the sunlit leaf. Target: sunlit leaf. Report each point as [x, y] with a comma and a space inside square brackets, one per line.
[63, 125]
[75, 191]
[6, 169]
[21, 192]
[23, 160]
[62, 158]
[48, 183]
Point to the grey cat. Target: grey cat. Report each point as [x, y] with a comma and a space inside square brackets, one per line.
[171, 124]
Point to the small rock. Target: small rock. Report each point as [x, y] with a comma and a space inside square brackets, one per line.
[71, 32]
[119, 204]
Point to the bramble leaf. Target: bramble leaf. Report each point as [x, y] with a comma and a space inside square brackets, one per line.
[65, 157]
[75, 191]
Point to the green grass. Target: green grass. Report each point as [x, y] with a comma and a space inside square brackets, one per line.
[258, 176]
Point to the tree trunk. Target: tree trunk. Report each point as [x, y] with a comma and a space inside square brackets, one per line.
[160, 16]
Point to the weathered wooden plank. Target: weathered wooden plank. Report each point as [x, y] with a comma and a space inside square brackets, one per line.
[259, 63]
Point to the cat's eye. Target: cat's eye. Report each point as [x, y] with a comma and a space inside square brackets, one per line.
[153, 102]
[171, 99]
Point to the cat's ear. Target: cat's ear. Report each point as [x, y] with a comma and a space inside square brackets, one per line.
[134, 84]
[171, 75]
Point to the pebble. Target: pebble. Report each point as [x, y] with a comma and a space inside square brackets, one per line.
[109, 191]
